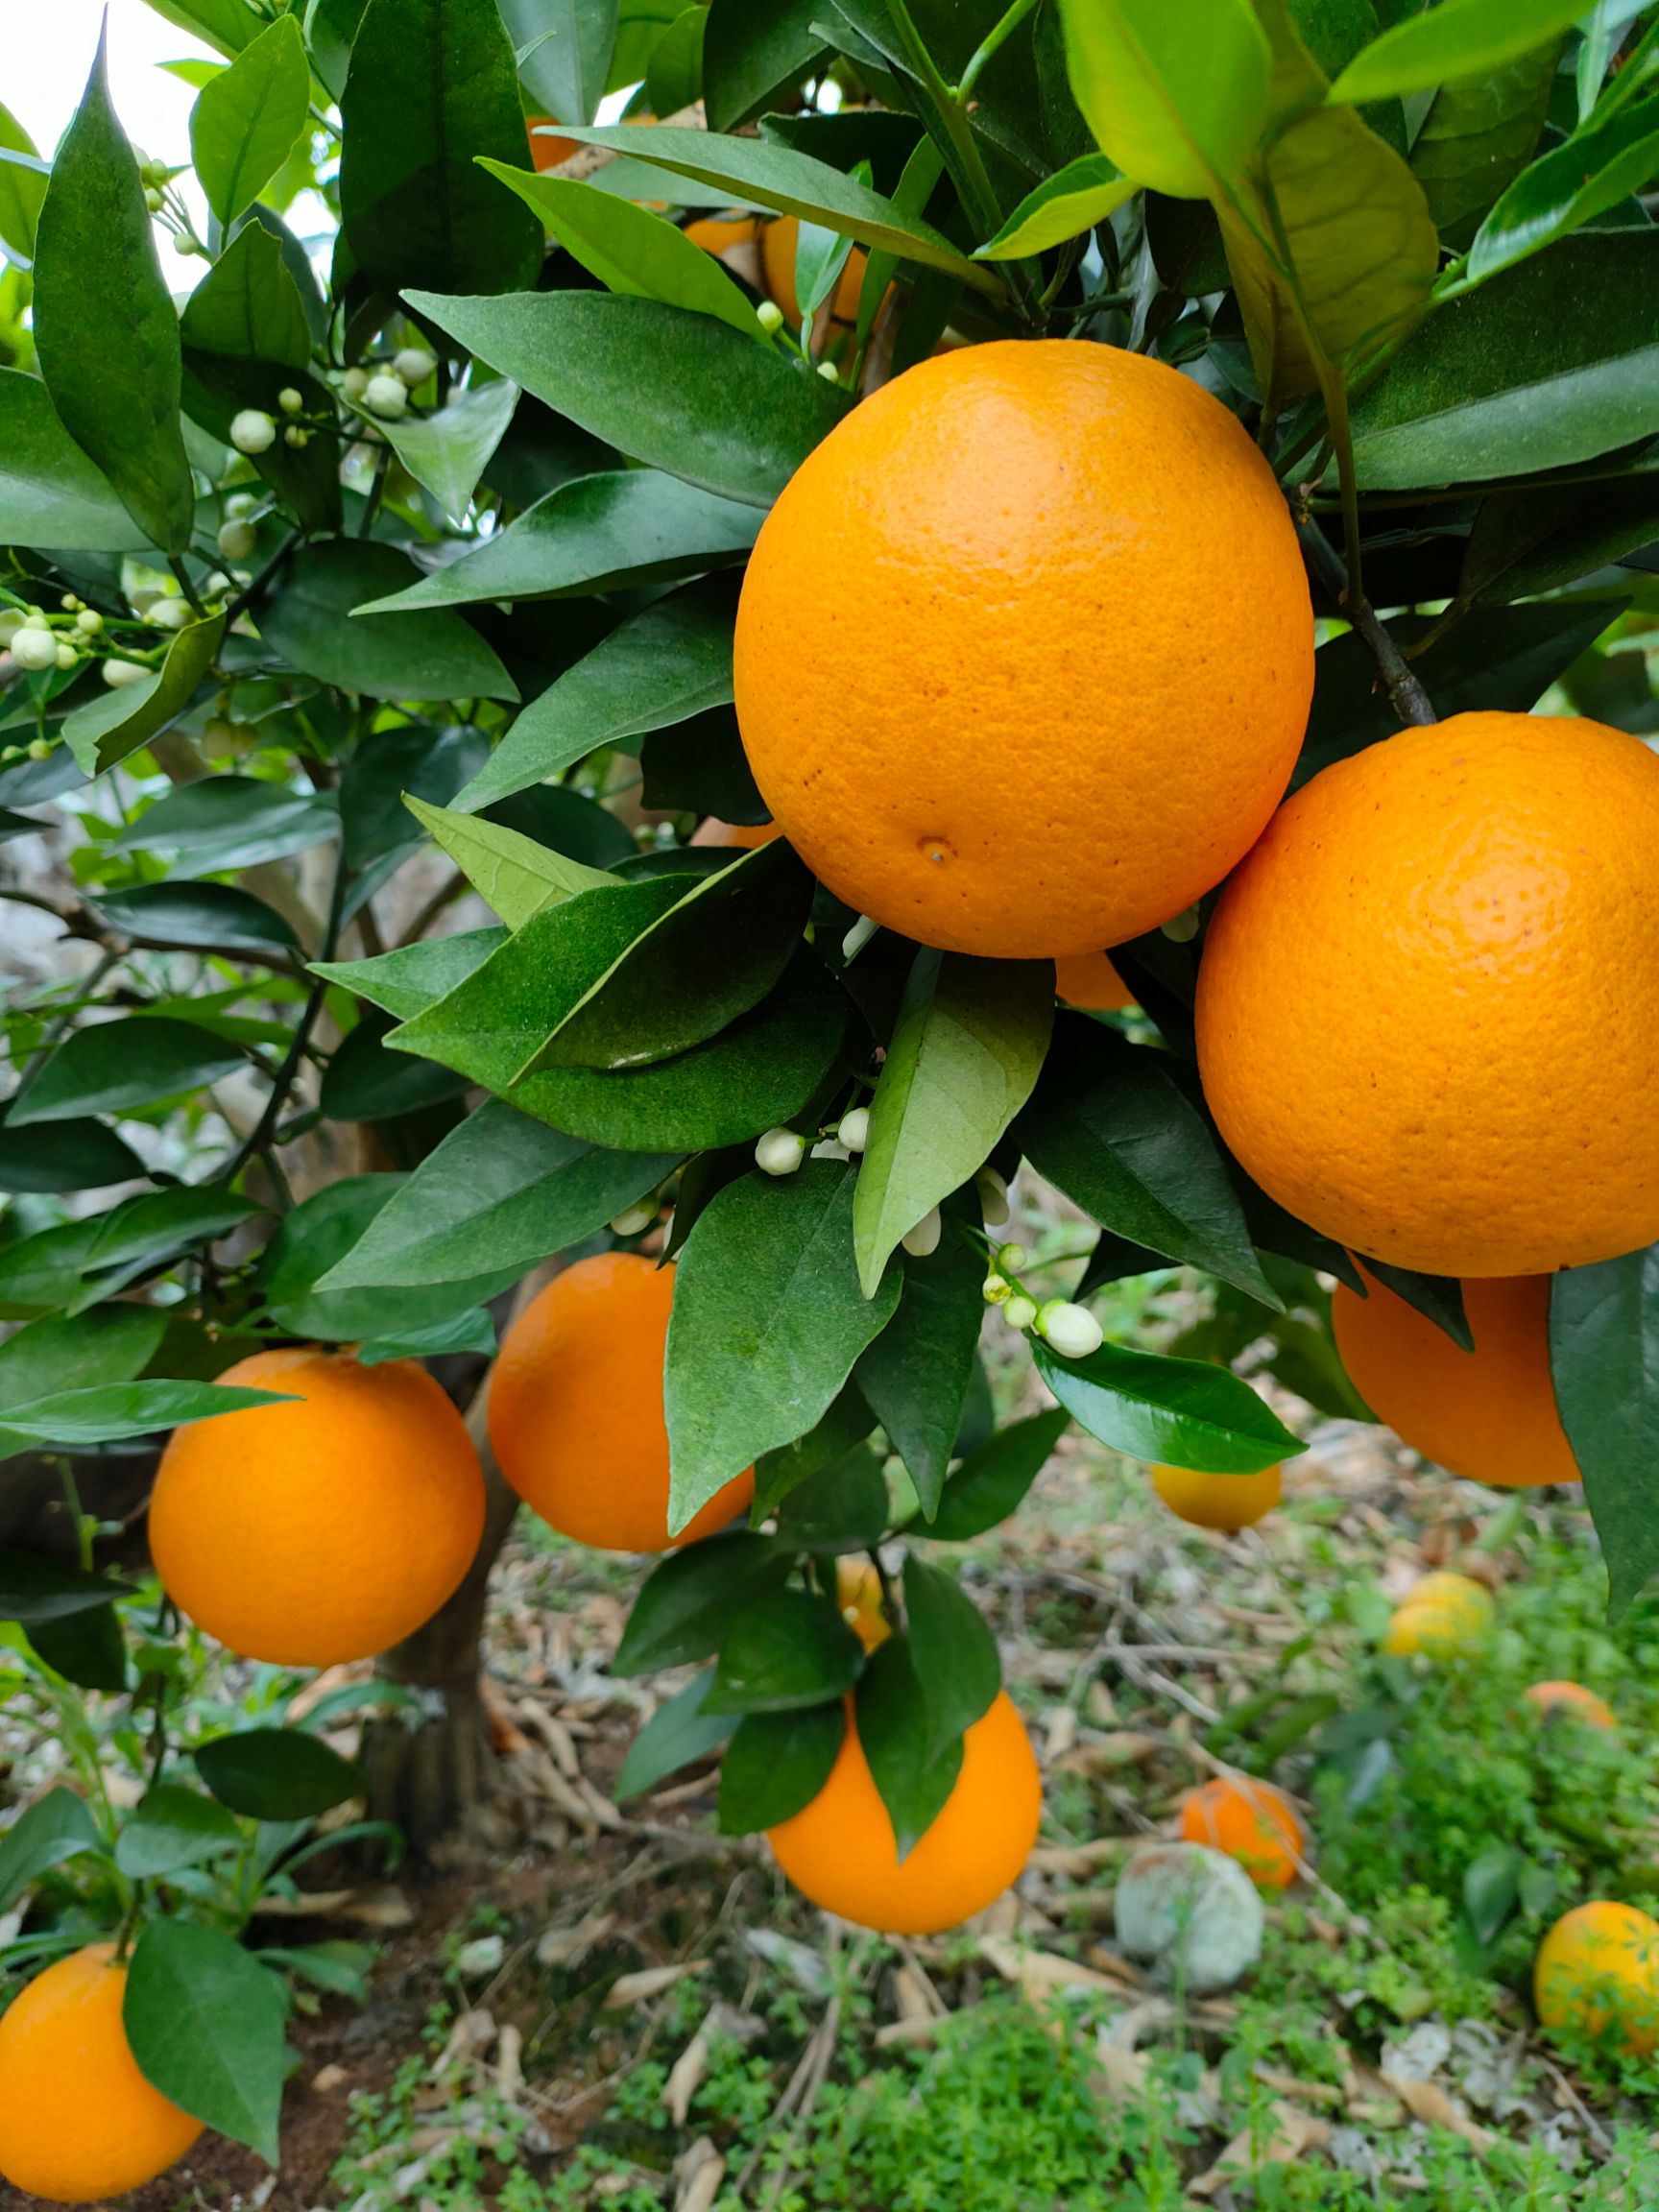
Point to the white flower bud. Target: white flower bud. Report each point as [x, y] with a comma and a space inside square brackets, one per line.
[412, 366]
[89, 622]
[1071, 1329]
[154, 200]
[253, 431]
[294, 436]
[35, 648]
[1012, 1258]
[779, 1152]
[855, 1129]
[70, 603]
[216, 583]
[997, 1291]
[1181, 928]
[67, 656]
[925, 1237]
[240, 505]
[12, 620]
[386, 396]
[169, 615]
[770, 316]
[354, 383]
[829, 372]
[992, 1197]
[290, 400]
[634, 1219]
[184, 245]
[237, 540]
[118, 674]
[1020, 1312]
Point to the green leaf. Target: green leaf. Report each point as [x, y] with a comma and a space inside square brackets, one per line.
[449, 451]
[312, 622]
[1552, 363]
[1175, 91]
[564, 48]
[1176, 1412]
[848, 1421]
[772, 176]
[87, 1649]
[1065, 205]
[412, 758]
[472, 1329]
[73, 1420]
[776, 1764]
[76, 1155]
[674, 74]
[170, 1828]
[1604, 1361]
[35, 1591]
[109, 729]
[317, 1235]
[509, 871]
[22, 186]
[131, 1062]
[687, 1601]
[500, 1190]
[918, 1371]
[671, 662]
[275, 1773]
[1480, 133]
[1438, 1298]
[406, 981]
[842, 1508]
[50, 493]
[173, 916]
[113, 375]
[1456, 40]
[205, 2022]
[674, 390]
[113, 1345]
[992, 1481]
[1491, 1886]
[340, 1968]
[953, 1653]
[768, 1318]
[630, 249]
[85, 1260]
[364, 1082]
[781, 1651]
[893, 1733]
[1112, 1127]
[677, 1734]
[433, 89]
[225, 25]
[246, 117]
[750, 53]
[1528, 540]
[56, 1827]
[968, 1049]
[603, 533]
[1591, 171]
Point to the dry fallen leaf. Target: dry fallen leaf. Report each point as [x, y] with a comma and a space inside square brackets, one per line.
[1427, 2101]
[1289, 2134]
[1041, 1974]
[650, 1982]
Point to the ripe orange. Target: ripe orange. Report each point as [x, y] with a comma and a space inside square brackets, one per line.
[324, 1530]
[78, 2121]
[1089, 981]
[1488, 1414]
[547, 152]
[1429, 1003]
[711, 831]
[967, 668]
[576, 1408]
[1228, 1502]
[1441, 1617]
[841, 1852]
[1597, 1970]
[1571, 1699]
[1250, 1821]
[863, 1609]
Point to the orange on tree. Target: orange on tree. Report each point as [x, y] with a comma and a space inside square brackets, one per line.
[963, 659]
[1597, 1975]
[1411, 1027]
[576, 1414]
[1571, 1700]
[779, 240]
[1225, 1502]
[78, 2121]
[547, 149]
[1489, 1414]
[1441, 1617]
[840, 1850]
[323, 1531]
[860, 1595]
[711, 831]
[1089, 981]
[1250, 1821]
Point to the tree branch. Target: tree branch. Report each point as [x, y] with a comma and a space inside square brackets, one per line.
[1406, 694]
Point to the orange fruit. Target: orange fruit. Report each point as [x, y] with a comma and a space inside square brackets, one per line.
[719, 234]
[1428, 1001]
[78, 2121]
[547, 152]
[326, 1529]
[1570, 1698]
[711, 831]
[1487, 1414]
[1250, 1821]
[1597, 1971]
[576, 1408]
[1441, 1617]
[964, 664]
[840, 1850]
[863, 1609]
[1089, 981]
[1229, 1501]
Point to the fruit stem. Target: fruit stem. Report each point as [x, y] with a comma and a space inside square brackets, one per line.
[993, 38]
[1406, 694]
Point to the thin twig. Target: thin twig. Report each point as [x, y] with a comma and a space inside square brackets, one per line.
[1406, 694]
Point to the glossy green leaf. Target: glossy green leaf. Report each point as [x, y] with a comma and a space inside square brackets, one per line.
[674, 73]
[893, 1734]
[275, 1773]
[1065, 205]
[364, 1082]
[50, 492]
[603, 533]
[113, 375]
[1571, 184]
[406, 981]
[22, 185]
[1604, 1361]
[663, 665]
[677, 1735]
[75, 1155]
[509, 871]
[170, 1828]
[1175, 91]
[953, 1651]
[36, 1590]
[1527, 541]
[768, 1319]
[688, 1599]
[918, 1371]
[565, 52]
[1458, 39]
[499, 1189]
[88, 1650]
[847, 1421]
[783, 1650]
[55, 1828]
[73, 1268]
[222, 821]
[678, 390]
[216, 916]
[246, 117]
[750, 53]
[313, 623]
[964, 1058]
[206, 2026]
[433, 87]
[1438, 1298]
[991, 1482]
[75, 1420]
[108, 728]
[449, 451]
[318, 1234]
[1175, 1412]
[112, 1066]
[111, 1345]
[1479, 134]
[776, 1764]
[841, 1507]
[410, 760]
[225, 25]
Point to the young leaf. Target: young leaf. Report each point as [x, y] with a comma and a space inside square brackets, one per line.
[1458, 39]
[1604, 1360]
[449, 451]
[109, 729]
[1175, 91]
[776, 1764]
[56, 1827]
[509, 871]
[781, 1651]
[1065, 205]
[686, 1602]
[205, 2025]
[1571, 184]
[246, 117]
[916, 1375]
[953, 1653]
[992, 1481]
[277, 1773]
[678, 1733]
[1181, 1412]
[964, 1058]
[23, 179]
[112, 1066]
[50, 492]
[768, 1319]
[113, 373]
[313, 622]
[172, 1827]
[912, 1780]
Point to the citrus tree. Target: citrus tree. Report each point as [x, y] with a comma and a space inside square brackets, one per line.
[824, 560]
